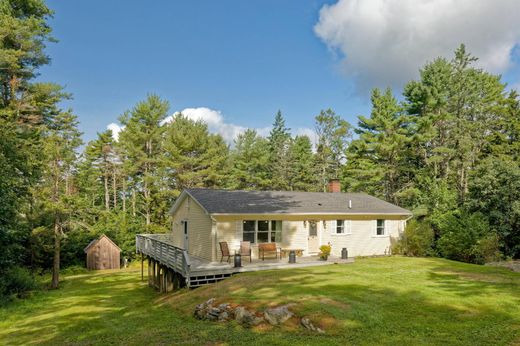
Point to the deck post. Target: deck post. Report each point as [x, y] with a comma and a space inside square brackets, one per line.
[149, 271]
[169, 282]
[142, 267]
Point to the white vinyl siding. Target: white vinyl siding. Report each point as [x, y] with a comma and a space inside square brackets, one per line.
[200, 242]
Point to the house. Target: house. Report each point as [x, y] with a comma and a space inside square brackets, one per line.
[201, 218]
[102, 253]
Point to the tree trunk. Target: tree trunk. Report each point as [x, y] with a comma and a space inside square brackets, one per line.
[107, 195]
[133, 202]
[114, 186]
[56, 259]
[124, 195]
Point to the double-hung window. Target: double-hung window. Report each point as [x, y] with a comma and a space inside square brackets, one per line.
[342, 227]
[380, 227]
[262, 231]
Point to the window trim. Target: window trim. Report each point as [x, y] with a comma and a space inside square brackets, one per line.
[269, 232]
[347, 228]
[385, 231]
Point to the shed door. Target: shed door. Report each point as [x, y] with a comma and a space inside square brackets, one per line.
[313, 239]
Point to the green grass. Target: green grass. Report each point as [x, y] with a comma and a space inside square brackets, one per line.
[373, 301]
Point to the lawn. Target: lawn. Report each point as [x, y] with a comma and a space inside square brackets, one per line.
[389, 300]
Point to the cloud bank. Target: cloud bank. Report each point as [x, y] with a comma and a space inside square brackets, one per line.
[384, 42]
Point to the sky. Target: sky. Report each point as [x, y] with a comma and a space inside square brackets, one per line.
[236, 63]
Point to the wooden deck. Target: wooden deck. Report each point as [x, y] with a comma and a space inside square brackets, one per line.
[159, 249]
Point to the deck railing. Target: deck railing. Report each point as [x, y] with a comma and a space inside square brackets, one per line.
[160, 248]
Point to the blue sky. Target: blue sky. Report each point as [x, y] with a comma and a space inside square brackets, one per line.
[244, 60]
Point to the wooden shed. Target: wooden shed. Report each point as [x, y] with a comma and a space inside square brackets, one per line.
[103, 253]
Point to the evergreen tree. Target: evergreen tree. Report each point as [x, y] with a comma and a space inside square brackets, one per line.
[333, 135]
[56, 190]
[279, 141]
[141, 141]
[193, 156]
[302, 175]
[250, 157]
[376, 160]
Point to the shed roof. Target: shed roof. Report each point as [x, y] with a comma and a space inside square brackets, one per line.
[95, 241]
[290, 202]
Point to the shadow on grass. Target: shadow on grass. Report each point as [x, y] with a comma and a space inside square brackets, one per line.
[115, 308]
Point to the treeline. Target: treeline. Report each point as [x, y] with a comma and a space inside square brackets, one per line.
[448, 150]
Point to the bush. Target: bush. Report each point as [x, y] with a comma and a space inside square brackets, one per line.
[16, 282]
[465, 237]
[325, 251]
[487, 249]
[417, 240]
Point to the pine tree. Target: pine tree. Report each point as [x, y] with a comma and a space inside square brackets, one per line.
[55, 192]
[193, 156]
[376, 159]
[141, 141]
[333, 135]
[279, 141]
[250, 157]
[302, 176]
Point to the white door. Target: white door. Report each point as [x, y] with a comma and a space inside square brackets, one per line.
[313, 240]
[185, 235]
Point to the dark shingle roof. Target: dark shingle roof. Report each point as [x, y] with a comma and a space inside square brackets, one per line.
[291, 202]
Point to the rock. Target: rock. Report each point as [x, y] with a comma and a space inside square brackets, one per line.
[246, 318]
[224, 306]
[277, 316]
[223, 317]
[210, 301]
[213, 314]
[306, 323]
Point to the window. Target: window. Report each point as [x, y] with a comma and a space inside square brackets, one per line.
[249, 230]
[262, 231]
[276, 231]
[380, 228]
[342, 227]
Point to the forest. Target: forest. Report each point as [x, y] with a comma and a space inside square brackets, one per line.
[446, 147]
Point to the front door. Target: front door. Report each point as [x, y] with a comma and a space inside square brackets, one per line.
[314, 242]
[185, 235]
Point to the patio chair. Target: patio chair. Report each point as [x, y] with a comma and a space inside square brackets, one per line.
[268, 248]
[224, 249]
[245, 249]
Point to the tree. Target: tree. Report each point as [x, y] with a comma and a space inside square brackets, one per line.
[302, 176]
[333, 135]
[279, 140]
[193, 156]
[377, 159]
[494, 191]
[62, 138]
[141, 141]
[250, 162]
[100, 153]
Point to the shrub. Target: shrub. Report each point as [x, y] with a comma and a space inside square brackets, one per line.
[325, 251]
[487, 249]
[17, 282]
[464, 237]
[417, 240]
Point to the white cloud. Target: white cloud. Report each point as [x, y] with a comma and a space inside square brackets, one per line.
[216, 123]
[384, 42]
[115, 130]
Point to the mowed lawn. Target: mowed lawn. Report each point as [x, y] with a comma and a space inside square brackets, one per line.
[391, 300]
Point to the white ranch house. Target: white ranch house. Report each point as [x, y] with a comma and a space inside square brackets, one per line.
[202, 218]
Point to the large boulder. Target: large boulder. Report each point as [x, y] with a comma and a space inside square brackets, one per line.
[278, 315]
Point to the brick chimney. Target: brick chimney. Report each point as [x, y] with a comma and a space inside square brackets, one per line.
[334, 185]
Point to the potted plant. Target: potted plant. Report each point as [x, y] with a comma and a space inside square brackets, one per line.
[325, 252]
